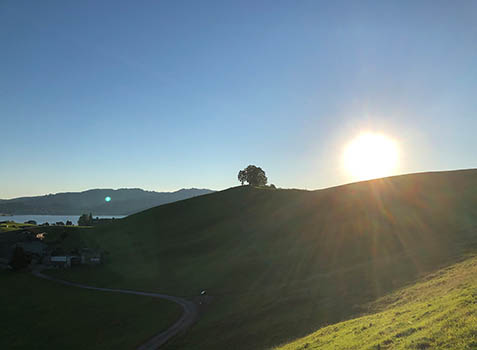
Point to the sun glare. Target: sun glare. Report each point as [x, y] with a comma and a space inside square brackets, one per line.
[370, 156]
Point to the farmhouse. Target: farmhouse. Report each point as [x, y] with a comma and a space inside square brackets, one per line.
[87, 257]
[61, 261]
[33, 245]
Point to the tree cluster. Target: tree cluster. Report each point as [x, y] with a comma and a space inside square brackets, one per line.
[253, 175]
[85, 220]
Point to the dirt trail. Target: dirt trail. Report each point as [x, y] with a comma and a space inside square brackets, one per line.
[189, 316]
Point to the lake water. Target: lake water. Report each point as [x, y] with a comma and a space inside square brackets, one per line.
[40, 219]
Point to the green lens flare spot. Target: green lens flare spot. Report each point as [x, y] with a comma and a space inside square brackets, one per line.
[107, 199]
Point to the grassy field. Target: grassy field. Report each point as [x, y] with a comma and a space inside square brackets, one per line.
[283, 263]
[40, 314]
[439, 312]
[13, 226]
[16, 226]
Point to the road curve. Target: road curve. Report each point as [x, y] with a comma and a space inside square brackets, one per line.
[189, 316]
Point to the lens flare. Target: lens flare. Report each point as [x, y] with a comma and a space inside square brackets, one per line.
[370, 156]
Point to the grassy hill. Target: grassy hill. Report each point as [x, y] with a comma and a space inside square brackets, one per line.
[282, 263]
[40, 314]
[439, 312]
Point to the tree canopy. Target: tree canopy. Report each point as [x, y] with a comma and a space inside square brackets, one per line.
[253, 175]
[85, 220]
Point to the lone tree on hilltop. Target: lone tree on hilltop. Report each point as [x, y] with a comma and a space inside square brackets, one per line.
[255, 176]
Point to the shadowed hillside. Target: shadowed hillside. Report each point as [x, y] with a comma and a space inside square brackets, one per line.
[41, 315]
[282, 263]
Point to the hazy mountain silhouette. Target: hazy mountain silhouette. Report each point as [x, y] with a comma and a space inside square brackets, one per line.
[123, 201]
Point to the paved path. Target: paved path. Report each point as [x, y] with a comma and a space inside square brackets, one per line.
[189, 316]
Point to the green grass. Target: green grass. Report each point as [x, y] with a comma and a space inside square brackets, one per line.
[13, 226]
[283, 263]
[40, 314]
[439, 312]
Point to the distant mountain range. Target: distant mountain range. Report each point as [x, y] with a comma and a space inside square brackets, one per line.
[122, 202]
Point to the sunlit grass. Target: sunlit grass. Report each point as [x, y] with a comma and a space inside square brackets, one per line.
[438, 313]
[13, 226]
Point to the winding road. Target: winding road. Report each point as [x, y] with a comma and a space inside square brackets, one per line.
[189, 316]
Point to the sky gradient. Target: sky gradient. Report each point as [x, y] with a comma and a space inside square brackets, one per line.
[170, 94]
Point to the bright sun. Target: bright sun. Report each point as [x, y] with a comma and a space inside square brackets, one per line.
[370, 156]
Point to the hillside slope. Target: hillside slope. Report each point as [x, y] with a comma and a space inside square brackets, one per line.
[439, 312]
[123, 202]
[39, 314]
[282, 263]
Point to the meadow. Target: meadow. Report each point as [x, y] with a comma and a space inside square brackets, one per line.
[281, 264]
[13, 226]
[40, 314]
[438, 312]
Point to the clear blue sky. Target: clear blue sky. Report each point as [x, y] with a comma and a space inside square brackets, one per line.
[170, 94]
